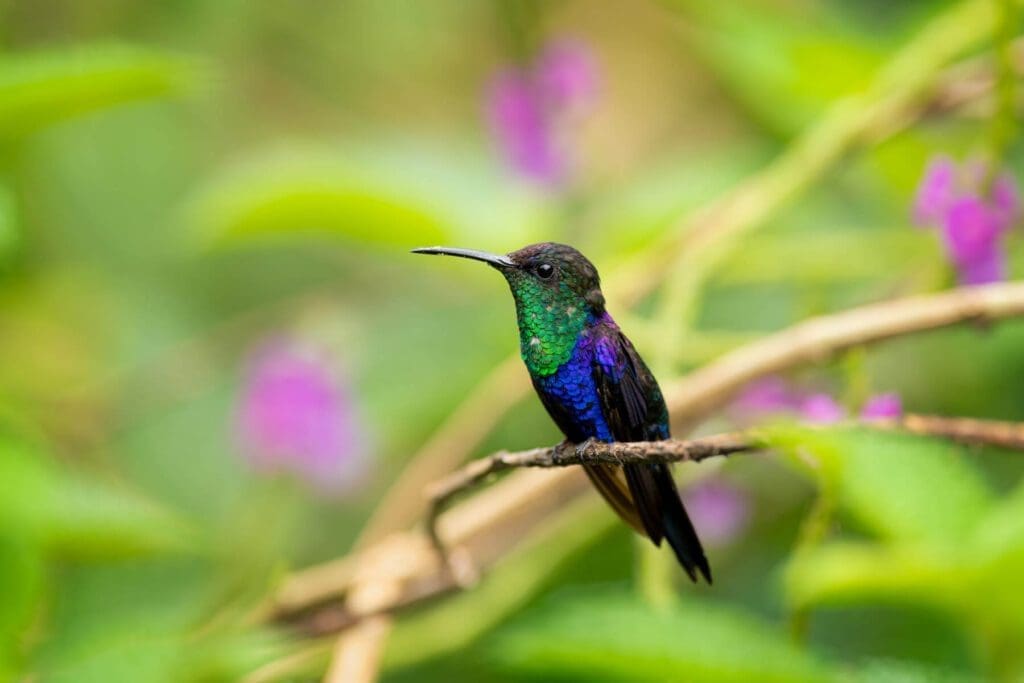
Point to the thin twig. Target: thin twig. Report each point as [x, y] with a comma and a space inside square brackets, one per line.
[965, 430]
[440, 494]
[960, 429]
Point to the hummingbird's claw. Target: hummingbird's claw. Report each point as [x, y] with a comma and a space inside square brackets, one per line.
[581, 448]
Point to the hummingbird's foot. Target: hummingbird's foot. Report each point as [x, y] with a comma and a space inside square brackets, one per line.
[581, 448]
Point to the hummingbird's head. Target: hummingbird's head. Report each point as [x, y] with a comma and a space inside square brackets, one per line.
[543, 275]
[557, 292]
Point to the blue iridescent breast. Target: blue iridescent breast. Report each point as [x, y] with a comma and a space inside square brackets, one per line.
[570, 395]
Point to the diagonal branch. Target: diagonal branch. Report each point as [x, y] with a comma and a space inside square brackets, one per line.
[706, 390]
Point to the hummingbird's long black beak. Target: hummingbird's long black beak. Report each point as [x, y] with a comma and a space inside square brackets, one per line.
[493, 259]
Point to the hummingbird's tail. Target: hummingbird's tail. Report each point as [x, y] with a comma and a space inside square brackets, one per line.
[647, 499]
[657, 500]
[683, 537]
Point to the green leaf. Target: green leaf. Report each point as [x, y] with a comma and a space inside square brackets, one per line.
[77, 515]
[400, 197]
[782, 69]
[606, 635]
[848, 573]
[9, 235]
[42, 88]
[21, 575]
[997, 554]
[901, 487]
[88, 519]
[895, 671]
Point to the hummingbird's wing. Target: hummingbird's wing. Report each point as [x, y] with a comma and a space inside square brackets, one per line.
[609, 480]
[634, 409]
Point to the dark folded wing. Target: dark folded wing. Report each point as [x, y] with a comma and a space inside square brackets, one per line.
[634, 409]
[624, 403]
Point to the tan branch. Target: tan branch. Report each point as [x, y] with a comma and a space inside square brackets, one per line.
[705, 391]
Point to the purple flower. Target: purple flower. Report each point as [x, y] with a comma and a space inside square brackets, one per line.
[764, 397]
[295, 415]
[821, 409]
[936, 191]
[882, 407]
[529, 110]
[1006, 198]
[973, 222]
[566, 75]
[521, 127]
[719, 512]
[972, 234]
[773, 396]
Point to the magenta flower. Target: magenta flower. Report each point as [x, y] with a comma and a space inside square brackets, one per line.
[530, 110]
[972, 234]
[720, 512]
[521, 127]
[566, 75]
[774, 397]
[936, 191]
[764, 397]
[973, 222]
[821, 409]
[295, 415]
[882, 407]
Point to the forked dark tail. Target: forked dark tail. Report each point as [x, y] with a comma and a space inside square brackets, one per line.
[680, 532]
[659, 506]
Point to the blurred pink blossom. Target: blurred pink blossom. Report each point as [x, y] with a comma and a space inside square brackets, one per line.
[567, 75]
[882, 407]
[295, 415]
[775, 397]
[973, 223]
[972, 233]
[720, 512]
[530, 109]
[821, 408]
[764, 397]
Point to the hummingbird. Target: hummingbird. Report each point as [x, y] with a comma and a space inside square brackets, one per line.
[594, 385]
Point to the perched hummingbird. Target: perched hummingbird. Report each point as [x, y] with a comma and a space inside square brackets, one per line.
[594, 384]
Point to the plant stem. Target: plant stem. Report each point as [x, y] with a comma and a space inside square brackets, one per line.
[1004, 115]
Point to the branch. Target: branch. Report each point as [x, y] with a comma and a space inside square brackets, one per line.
[704, 391]
[960, 429]
[440, 494]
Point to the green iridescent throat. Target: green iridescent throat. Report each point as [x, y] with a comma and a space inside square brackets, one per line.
[550, 323]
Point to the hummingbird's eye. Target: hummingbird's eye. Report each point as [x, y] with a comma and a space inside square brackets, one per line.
[545, 270]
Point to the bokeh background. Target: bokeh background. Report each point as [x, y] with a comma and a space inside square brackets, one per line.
[217, 355]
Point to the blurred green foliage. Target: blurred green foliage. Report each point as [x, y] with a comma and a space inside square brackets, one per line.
[181, 181]
[42, 88]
